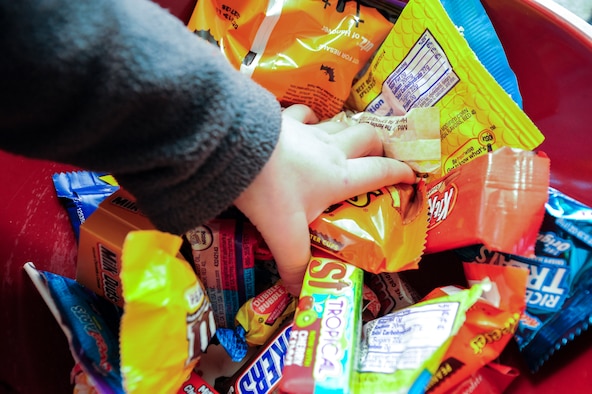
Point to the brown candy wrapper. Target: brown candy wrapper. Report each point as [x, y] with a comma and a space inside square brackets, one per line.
[380, 231]
[497, 200]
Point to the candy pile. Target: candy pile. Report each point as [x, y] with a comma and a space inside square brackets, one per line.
[207, 312]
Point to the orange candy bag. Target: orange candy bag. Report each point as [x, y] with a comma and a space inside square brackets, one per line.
[497, 200]
[305, 52]
[490, 324]
[380, 231]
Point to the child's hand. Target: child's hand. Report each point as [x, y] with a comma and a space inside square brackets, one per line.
[313, 166]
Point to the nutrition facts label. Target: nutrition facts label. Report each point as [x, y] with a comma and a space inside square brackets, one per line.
[405, 339]
[422, 78]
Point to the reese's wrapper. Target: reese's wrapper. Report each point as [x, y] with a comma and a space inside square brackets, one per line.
[380, 231]
[558, 297]
[490, 324]
[497, 200]
[321, 352]
[168, 320]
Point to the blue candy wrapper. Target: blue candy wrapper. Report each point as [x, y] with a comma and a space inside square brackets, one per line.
[90, 323]
[81, 192]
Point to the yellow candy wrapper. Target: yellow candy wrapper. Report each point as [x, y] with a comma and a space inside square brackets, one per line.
[168, 320]
[426, 62]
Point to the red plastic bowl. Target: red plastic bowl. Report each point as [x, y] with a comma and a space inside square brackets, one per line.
[551, 53]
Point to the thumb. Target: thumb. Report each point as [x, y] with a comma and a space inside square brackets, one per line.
[289, 243]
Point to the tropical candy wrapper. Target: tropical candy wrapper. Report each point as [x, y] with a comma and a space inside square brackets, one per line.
[81, 192]
[168, 320]
[305, 52]
[91, 326]
[321, 353]
[497, 200]
[425, 62]
[223, 252]
[380, 231]
[558, 297]
[400, 351]
[490, 324]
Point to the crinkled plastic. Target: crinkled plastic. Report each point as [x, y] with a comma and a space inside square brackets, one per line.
[380, 231]
[497, 200]
[558, 297]
[400, 351]
[168, 320]
[91, 325]
[305, 52]
[490, 324]
[424, 62]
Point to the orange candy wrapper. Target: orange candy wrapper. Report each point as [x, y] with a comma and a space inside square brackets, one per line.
[489, 326]
[497, 200]
[380, 231]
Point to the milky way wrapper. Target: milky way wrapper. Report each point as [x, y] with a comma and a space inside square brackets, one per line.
[426, 62]
[380, 231]
[497, 200]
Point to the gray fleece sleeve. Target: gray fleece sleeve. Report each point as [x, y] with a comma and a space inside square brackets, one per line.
[123, 86]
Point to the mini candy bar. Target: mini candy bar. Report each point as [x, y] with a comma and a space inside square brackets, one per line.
[262, 373]
[393, 291]
[380, 231]
[497, 200]
[101, 240]
[90, 324]
[322, 349]
[224, 258]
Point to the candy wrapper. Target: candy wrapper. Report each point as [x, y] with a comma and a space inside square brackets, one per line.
[490, 324]
[425, 62]
[497, 199]
[81, 192]
[223, 252]
[558, 297]
[91, 326]
[413, 138]
[322, 350]
[305, 52]
[168, 321]
[400, 351]
[380, 231]
[257, 320]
